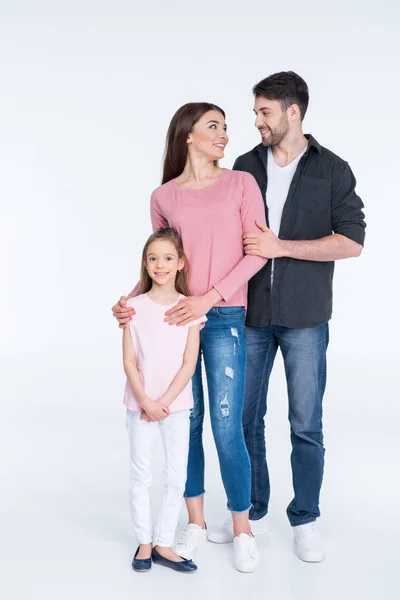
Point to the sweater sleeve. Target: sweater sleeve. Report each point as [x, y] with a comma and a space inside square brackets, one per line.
[252, 209]
[157, 218]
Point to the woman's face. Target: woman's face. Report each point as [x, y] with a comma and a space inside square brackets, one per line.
[208, 137]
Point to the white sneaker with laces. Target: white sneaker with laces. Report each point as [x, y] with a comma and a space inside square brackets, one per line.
[247, 557]
[308, 543]
[191, 538]
[224, 533]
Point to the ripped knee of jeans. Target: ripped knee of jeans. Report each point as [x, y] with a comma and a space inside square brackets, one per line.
[229, 372]
[224, 406]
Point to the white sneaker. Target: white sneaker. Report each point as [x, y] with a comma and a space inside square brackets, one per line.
[308, 543]
[247, 557]
[191, 538]
[224, 533]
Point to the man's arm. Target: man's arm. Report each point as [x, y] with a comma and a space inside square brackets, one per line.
[326, 249]
[332, 247]
[348, 227]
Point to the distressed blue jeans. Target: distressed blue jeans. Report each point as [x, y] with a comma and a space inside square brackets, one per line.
[223, 349]
[304, 355]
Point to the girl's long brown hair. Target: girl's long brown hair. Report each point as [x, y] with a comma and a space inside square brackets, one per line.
[146, 282]
[176, 147]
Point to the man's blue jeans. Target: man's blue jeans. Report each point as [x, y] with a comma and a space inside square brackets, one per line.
[223, 347]
[304, 355]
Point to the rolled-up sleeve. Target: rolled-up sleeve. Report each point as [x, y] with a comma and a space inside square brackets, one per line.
[348, 218]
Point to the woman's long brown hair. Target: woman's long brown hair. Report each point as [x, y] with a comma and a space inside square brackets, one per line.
[176, 147]
[146, 282]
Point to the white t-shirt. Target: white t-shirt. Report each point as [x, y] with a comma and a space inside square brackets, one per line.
[159, 349]
[279, 180]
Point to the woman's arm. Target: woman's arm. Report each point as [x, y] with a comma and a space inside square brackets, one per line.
[154, 410]
[187, 369]
[252, 210]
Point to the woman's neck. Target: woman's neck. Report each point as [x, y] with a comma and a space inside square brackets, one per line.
[198, 169]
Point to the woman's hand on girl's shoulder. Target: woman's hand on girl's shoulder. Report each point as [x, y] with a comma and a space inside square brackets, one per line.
[122, 312]
[188, 309]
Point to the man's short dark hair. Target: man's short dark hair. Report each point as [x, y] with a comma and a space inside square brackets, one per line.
[287, 88]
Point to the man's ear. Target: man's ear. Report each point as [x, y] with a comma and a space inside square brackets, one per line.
[294, 112]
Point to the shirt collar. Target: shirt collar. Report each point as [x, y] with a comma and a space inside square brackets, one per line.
[312, 144]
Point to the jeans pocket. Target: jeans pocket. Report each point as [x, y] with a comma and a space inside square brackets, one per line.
[230, 311]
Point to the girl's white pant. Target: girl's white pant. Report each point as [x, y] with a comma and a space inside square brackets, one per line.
[142, 438]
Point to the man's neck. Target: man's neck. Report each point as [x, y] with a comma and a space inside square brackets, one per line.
[289, 148]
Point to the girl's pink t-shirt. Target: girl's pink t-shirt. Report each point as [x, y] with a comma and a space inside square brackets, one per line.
[159, 349]
[211, 222]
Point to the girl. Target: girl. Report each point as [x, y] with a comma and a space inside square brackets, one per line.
[159, 362]
[212, 208]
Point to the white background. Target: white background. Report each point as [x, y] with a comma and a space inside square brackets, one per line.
[87, 90]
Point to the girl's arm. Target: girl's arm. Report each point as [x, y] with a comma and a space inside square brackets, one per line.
[154, 411]
[187, 369]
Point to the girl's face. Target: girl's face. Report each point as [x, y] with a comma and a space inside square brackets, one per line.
[208, 137]
[163, 262]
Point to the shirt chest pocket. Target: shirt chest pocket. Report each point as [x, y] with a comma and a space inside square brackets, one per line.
[314, 194]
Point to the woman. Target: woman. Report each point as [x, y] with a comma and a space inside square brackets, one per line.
[211, 208]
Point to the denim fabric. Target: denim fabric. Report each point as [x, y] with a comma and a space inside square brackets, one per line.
[304, 355]
[223, 348]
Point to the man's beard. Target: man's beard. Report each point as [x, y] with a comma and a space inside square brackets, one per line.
[275, 137]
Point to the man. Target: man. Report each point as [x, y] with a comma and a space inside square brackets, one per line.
[314, 217]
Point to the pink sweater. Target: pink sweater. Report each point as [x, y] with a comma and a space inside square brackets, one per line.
[211, 222]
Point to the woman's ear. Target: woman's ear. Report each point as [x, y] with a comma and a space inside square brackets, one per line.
[181, 264]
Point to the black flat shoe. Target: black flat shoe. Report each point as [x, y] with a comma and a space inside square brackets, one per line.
[141, 565]
[187, 566]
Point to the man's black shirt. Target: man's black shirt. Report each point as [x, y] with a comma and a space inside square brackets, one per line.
[321, 200]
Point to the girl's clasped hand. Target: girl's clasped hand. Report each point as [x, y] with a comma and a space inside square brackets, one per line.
[154, 411]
